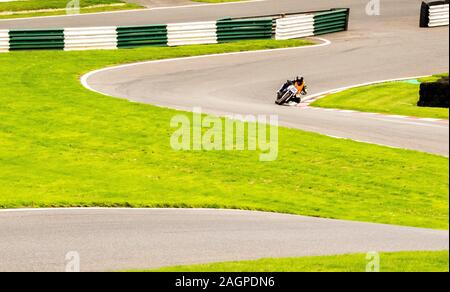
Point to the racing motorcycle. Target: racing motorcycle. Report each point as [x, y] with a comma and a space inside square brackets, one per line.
[290, 92]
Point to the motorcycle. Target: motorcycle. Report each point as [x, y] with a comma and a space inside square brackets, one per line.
[289, 92]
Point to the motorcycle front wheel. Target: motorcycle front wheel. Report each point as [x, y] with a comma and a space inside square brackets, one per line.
[285, 98]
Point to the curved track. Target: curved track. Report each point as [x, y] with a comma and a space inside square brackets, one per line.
[383, 47]
[375, 49]
[111, 239]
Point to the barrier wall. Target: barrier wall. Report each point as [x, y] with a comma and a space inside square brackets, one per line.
[90, 38]
[141, 36]
[434, 14]
[36, 39]
[310, 24]
[294, 27]
[233, 30]
[331, 21]
[280, 27]
[4, 41]
[200, 33]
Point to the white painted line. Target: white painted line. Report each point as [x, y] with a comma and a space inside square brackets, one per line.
[111, 209]
[325, 93]
[85, 78]
[379, 144]
[410, 122]
[317, 96]
[85, 83]
[395, 116]
[136, 10]
[430, 119]
[241, 211]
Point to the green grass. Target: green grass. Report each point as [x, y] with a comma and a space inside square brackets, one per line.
[62, 145]
[398, 98]
[87, 6]
[389, 262]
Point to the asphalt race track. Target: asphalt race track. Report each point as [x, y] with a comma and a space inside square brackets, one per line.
[138, 239]
[373, 50]
[381, 47]
[162, 3]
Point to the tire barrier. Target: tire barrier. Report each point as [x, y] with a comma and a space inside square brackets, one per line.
[435, 94]
[36, 39]
[4, 41]
[280, 27]
[229, 30]
[331, 21]
[294, 27]
[200, 33]
[434, 14]
[141, 36]
[90, 38]
[310, 24]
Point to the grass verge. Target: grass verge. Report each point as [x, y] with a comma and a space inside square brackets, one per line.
[389, 262]
[34, 8]
[62, 145]
[398, 98]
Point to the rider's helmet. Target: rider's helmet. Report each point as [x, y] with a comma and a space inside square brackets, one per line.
[299, 80]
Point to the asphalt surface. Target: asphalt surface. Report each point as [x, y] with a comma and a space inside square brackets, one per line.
[204, 12]
[376, 48]
[162, 3]
[114, 239]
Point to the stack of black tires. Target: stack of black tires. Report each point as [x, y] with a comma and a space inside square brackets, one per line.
[435, 94]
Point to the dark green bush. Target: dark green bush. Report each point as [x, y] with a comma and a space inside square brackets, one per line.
[435, 94]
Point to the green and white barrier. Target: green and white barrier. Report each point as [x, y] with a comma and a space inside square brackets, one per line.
[177, 34]
[229, 30]
[90, 38]
[141, 36]
[294, 27]
[194, 33]
[36, 39]
[435, 13]
[311, 24]
[331, 21]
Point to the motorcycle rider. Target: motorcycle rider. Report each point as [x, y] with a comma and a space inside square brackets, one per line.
[299, 83]
[301, 87]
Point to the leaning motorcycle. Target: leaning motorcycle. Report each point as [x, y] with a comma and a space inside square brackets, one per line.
[286, 94]
[289, 92]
